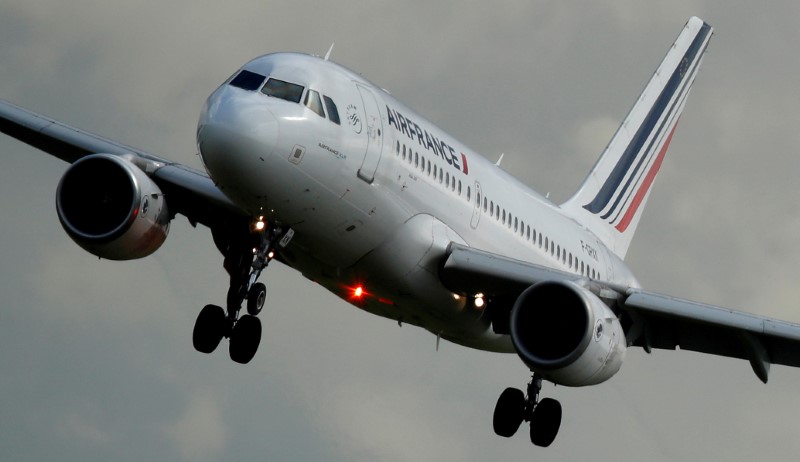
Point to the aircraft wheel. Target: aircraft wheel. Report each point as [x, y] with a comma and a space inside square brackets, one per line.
[245, 338]
[545, 422]
[256, 297]
[208, 329]
[509, 412]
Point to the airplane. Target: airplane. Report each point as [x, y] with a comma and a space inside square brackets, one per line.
[310, 164]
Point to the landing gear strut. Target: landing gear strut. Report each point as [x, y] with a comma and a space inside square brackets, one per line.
[247, 252]
[513, 407]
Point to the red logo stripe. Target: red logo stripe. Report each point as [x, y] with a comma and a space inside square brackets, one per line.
[648, 181]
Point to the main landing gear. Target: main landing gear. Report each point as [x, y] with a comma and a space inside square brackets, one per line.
[513, 407]
[247, 252]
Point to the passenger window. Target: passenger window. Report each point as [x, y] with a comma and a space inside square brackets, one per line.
[469, 195]
[283, 90]
[333, 113]
[247, 80]
[314, 103]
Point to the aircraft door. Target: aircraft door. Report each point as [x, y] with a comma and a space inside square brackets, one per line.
[476, 210]
[374, 135]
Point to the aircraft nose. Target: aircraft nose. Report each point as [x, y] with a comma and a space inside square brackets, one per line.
[236, 134]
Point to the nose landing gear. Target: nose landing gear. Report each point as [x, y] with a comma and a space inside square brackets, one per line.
[513, 407]
[246, 256]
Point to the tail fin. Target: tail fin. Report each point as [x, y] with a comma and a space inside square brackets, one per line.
[611, 199]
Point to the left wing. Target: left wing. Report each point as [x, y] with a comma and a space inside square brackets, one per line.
[651, 320]
[191, 192]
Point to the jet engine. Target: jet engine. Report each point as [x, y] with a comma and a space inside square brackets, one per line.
[567, 334]
[111, 208]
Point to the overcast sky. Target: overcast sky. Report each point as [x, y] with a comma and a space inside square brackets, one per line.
[96, 359]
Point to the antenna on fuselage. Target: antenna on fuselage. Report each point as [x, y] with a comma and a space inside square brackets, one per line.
[328, 54]
[500, 159]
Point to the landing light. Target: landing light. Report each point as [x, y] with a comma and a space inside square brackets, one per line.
[260, 225]
[479, 301]
[271, 255]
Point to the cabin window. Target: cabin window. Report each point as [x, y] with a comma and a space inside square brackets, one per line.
[314, 102]
[247, 80]
[333, 113]
[283, 90]
[469, 195]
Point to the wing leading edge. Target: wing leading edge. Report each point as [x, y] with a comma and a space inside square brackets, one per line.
[191, 192]
[652, 320]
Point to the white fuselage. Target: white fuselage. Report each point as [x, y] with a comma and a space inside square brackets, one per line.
[375, 199]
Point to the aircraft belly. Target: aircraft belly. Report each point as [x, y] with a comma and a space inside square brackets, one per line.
[401, 275]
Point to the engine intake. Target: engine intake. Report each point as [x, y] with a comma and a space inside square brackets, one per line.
[111, 208]
[567, 334]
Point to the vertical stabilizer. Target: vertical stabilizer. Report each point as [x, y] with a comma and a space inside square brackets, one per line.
[611, 199]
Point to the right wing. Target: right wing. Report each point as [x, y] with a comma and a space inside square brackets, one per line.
[651, 320]
[191, 192]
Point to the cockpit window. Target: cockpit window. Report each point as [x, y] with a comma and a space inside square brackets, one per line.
[314, 103]
[248, 80]
[283, 90]
[333, 113]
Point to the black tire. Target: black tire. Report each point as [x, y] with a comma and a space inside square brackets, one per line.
[208, 329]
[509, 412]
[245, 338]
[255, 298]
[545, 422]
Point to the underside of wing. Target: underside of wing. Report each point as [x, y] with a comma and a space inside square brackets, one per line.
[649, 320]
[190, 192]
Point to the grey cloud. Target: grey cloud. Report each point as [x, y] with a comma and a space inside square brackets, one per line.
[97, 357]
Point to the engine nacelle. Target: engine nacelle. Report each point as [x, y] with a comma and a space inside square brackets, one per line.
[567, 334]
[111, 208]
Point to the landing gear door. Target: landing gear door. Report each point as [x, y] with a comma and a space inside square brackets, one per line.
[374, 132]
